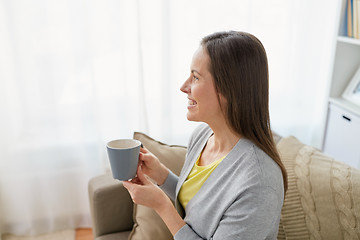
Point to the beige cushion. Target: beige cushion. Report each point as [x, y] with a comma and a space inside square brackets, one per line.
[147, 224]
[323, 199]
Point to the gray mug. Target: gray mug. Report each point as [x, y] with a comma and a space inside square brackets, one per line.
[123, 156]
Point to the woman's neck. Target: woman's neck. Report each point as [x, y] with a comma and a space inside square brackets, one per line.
[224, 139]
[218, 145]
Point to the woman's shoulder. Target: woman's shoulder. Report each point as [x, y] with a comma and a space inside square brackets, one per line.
[259, 168]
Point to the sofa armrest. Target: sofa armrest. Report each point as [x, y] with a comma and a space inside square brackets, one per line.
[110, 205]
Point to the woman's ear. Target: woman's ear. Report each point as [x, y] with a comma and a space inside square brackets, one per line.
[222, 100]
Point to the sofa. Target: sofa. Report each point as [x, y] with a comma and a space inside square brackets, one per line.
[322, 201]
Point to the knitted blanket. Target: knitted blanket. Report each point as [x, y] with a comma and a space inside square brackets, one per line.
[323, 198]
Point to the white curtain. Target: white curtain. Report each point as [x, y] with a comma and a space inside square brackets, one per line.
[76, 74]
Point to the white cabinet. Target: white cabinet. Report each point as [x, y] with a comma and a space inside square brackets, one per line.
[342, 137]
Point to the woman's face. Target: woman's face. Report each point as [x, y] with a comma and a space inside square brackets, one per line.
[203, 104]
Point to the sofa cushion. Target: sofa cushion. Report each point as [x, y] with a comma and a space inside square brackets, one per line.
[323, 199]
[147, 224]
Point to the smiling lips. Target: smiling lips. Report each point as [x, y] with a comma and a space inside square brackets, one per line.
[191, 103]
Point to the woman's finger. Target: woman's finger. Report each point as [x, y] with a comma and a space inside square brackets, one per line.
[136, 180]
[141, 156]
[140, 162]
[142, 177]
[143, 150]
[128, 185]
[145, 157]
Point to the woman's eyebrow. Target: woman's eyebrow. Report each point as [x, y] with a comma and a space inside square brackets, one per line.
[193, 70]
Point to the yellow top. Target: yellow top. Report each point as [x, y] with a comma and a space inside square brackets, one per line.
[195, 180]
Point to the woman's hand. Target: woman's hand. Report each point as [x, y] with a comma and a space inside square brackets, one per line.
[144, 192]
[152, 167]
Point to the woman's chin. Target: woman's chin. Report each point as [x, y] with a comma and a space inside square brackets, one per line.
[189, 116]
[192, 118]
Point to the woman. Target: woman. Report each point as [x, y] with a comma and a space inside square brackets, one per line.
[233, 182]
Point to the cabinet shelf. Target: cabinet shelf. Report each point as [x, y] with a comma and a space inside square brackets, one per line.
[342, 127]
[342, 103]
[349, 40]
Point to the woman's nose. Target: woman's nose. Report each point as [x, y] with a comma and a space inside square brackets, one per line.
[185, 88]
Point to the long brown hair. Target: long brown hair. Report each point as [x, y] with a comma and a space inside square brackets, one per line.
[239, 66]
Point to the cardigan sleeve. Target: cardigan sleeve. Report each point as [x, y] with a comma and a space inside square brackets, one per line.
[254, 215]
[169, 186]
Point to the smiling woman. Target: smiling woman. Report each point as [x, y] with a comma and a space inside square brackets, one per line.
[76, 74]
[233, 178]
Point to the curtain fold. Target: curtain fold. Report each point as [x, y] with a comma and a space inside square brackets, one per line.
[76, 74]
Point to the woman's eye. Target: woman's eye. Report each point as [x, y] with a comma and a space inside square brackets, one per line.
[195, 78]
